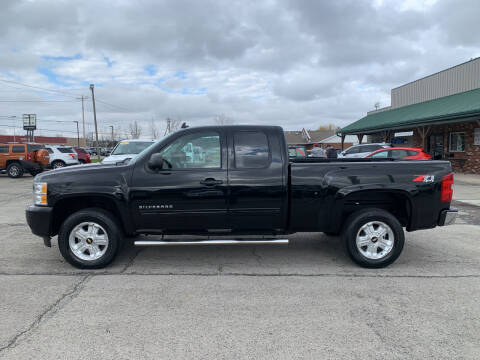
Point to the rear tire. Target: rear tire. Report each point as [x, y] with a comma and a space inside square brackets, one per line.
[15, 170]
[90, 238]
[58, 164]
[373, 238]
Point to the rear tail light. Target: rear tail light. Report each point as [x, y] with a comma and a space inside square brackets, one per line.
[447, 191]
[72, 155]
[28, 157]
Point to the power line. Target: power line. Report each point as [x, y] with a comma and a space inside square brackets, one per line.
[114, 106]
[40, 101]
[52, 130]
[39, 88]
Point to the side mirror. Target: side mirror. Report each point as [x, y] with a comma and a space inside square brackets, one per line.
[155, 162]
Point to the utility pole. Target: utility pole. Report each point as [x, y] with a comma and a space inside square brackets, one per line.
[168, 130]
[113, 139]
[83, 118]
[95, 120]
[78, 134]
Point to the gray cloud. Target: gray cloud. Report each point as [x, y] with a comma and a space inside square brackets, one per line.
[289, 62]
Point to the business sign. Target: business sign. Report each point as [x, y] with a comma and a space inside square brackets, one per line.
[29, 121]
[476, 137]
[404, 133]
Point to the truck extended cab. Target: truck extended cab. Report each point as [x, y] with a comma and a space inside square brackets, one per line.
[238, 180]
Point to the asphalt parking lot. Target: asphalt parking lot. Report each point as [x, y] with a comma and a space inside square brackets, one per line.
[305, 300]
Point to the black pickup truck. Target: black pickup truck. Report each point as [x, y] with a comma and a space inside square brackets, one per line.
[238, 180]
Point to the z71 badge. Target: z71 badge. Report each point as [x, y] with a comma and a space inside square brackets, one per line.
[424, 178]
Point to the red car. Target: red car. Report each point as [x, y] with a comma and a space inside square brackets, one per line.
[400, 153]
[83, 156]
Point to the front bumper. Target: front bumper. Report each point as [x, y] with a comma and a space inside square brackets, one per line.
[39, 219]
[448, 217]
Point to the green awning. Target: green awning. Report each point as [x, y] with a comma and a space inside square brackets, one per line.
[454, 108]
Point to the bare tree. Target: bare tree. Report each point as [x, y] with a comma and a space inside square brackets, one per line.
[173, 124]
[135, 130]
[154, 133]
[222, 119]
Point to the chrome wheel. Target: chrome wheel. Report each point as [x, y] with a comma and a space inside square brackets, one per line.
[88, 241]
[14, 171]
[375, 240]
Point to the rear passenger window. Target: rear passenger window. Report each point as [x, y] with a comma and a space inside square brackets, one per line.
[3, 149]
[251, 150]
[399, 153]
[18, 148]
[65, 150]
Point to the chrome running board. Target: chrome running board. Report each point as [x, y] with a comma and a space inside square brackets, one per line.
[210, 242]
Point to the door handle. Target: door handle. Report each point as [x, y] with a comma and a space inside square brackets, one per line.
[211, 182]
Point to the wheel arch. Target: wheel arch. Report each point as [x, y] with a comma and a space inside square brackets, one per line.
[398, 202]
[66, 206]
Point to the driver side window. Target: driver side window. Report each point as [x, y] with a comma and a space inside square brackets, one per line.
[352, 150]
[193, 151]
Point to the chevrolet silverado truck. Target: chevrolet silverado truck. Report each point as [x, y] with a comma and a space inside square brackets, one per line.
[236, 181]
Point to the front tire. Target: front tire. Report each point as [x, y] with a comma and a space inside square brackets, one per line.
[15, 170]
[90, 239]
[373, 238]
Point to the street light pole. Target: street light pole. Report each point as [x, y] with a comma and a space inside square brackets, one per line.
[95, 120]
[78, 134]
[113, 140]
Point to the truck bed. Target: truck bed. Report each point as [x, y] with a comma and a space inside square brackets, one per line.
[329, 188]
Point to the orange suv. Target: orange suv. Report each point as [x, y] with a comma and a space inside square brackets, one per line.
[18, 158]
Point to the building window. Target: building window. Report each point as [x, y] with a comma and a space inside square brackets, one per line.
[457, 142]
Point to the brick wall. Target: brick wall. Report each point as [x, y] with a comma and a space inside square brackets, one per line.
[465, 162]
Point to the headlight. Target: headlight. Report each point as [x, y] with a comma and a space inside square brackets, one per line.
[40, 193]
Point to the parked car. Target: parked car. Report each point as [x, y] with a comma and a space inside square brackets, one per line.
[127, 149]
[83, 155]
[245, 184]
[61, 156]
[401, 153]
[295, 152]
[362, 150]
[18, 158]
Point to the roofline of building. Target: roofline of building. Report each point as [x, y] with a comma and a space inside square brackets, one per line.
[435, 73]
[424, 122]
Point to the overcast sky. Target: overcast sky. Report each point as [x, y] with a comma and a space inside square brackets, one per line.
[297, 63]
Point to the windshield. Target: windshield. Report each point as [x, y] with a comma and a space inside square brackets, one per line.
[133, 147]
